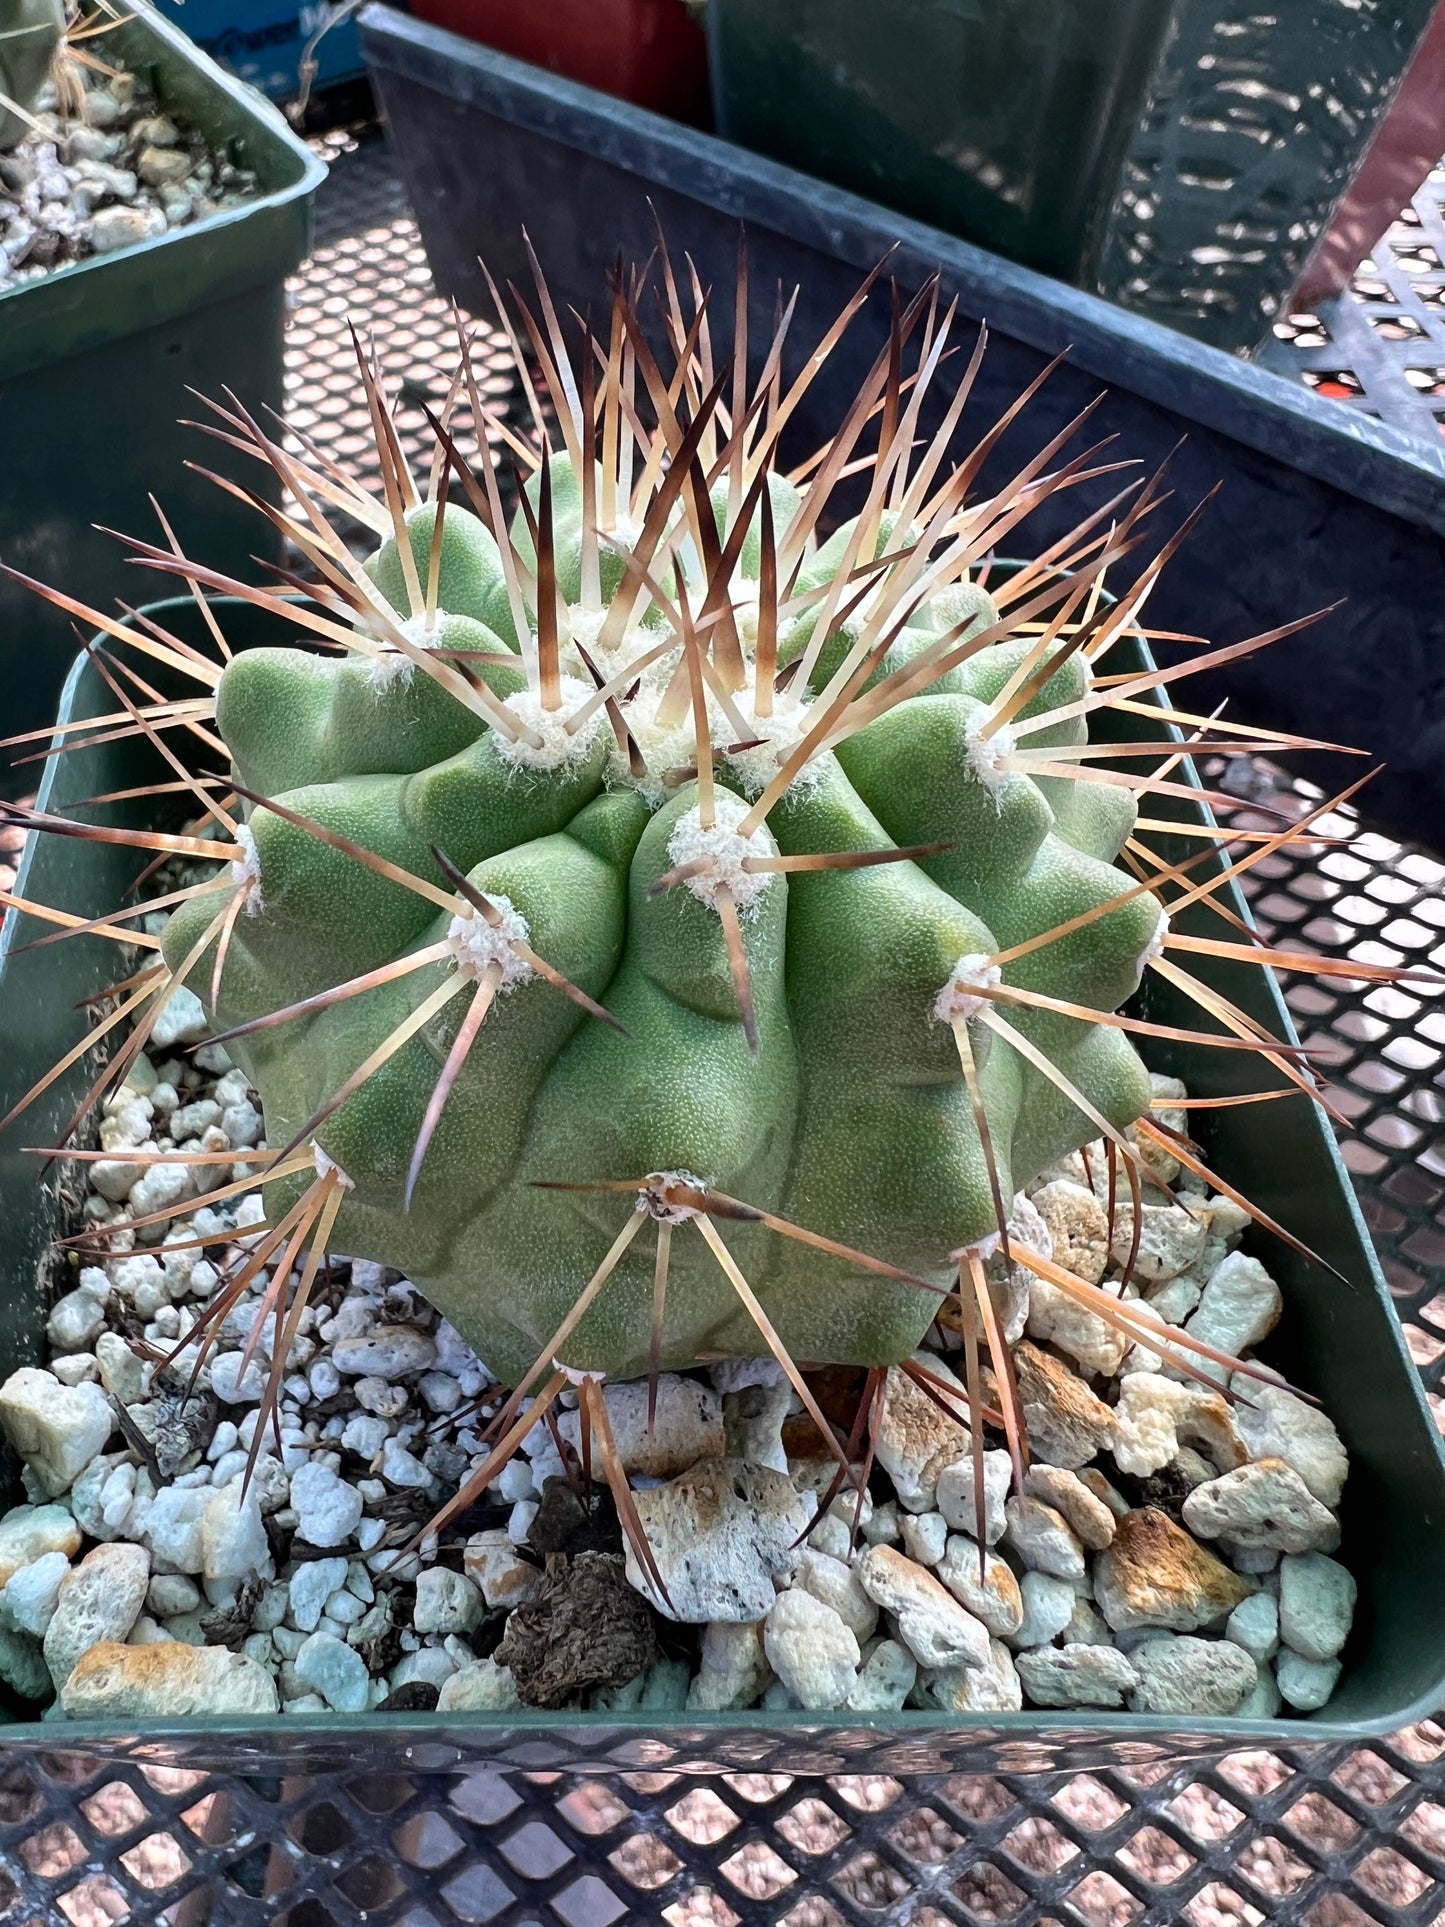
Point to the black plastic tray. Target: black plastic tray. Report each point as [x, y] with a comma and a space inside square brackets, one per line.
[1318, 504]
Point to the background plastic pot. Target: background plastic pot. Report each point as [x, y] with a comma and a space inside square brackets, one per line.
[651, 52]
[261, 41]
[1317, 506]
[1340, 1339]
[1004, 121]
[1256, 124]
[96, 361]
[1178, 156]
[1405, 149]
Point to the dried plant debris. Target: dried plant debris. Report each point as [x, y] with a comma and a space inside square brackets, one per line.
[584, 1627]
[660, 848]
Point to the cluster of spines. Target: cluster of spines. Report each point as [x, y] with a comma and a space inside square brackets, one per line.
[651, 450]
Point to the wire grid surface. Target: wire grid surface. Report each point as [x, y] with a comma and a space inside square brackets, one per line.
[367, 268]
[1331, 1837]
[1255, 123]
[1380, 345]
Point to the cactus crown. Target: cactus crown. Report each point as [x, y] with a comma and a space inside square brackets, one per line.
[671, 923]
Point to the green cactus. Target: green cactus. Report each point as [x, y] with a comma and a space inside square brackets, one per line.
[799, 1036]
[636, 1057]
[31, 32]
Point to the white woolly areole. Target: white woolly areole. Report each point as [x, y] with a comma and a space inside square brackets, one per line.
[958, 1001]
[246, 870]
[626, 533]
[422, 633]
[725, 850]
[653, 1199]
[756, 768]
[661, 749]
[395, 665]
[1155, 946]
[477, 945]
[983, 754]
[328, 1167]
[584, 626]
[391, 666]
[557, 746]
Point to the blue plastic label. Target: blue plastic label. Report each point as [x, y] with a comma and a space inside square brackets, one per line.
[261, 40]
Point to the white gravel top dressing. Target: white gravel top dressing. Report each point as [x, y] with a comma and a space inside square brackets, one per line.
[1172, 1550]
[119, 173]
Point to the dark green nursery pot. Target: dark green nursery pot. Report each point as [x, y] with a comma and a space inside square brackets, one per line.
[1337, 1339]
[96, 365]
[1004, 121]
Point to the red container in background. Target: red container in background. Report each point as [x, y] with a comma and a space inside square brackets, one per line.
[1404, 149]
[651, 52]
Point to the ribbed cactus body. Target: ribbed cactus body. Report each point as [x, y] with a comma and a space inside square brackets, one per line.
[852, 1119]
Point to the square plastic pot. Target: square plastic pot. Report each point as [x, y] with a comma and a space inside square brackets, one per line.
[651, 52]
[1318, 506]
[96, 361]
[1338, 1339]
[1005, 122]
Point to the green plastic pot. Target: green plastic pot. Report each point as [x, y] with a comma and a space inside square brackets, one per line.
[96, 362]
[1339, 1340]
[1004, 121]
